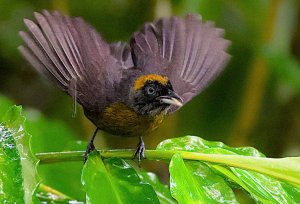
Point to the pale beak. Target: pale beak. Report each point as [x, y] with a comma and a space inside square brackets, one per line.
[172, 99]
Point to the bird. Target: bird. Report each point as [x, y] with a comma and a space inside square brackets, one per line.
[126, 88]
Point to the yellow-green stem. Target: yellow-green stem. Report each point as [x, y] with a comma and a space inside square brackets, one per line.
[265, 166]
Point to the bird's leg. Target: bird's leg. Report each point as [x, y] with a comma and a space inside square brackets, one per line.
[90, 146]
[140, 150]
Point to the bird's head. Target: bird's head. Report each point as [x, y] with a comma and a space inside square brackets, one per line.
[153, 94]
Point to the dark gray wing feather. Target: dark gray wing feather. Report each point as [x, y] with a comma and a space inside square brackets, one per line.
[190, 52]
[74, 57]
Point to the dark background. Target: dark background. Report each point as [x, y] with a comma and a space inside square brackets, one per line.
[254, 102]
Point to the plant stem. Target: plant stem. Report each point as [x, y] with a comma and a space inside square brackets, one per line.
[60, 196]
[268, 166]
[54, 157]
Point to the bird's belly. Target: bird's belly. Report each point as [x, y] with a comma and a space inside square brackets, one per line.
[119, 119]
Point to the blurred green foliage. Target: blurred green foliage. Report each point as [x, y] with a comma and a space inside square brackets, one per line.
[254, 102]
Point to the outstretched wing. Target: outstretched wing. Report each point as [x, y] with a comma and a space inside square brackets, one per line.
[74, 57]
[190, 52]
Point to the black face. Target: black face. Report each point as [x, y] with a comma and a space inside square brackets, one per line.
[153, 89]
[154, 98]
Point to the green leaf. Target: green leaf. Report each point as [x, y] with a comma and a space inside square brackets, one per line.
[233, 178]
[261, 187]
[197, 144]
[114, 182]
[264, 187]
[213, 185]
[183, 186]
[194, 182]
[162, 191]
[44, 131]
[18, 174]
[292, 191]
[10, 168]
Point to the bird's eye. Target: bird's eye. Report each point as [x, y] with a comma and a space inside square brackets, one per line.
[150, 90]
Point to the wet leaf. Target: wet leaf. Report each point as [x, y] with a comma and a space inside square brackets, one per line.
[184, 187]
[213, 185]
[261, 187]
[18, 175]
[194, 182]
[197, 144]
[114, 181]
[11, 169]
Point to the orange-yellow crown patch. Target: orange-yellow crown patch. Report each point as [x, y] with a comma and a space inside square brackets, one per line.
[140, 82]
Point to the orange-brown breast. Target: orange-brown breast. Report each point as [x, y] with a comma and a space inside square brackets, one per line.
[119, 119]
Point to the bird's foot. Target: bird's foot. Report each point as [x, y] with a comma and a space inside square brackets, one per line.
[89, 148]
[140, 151]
